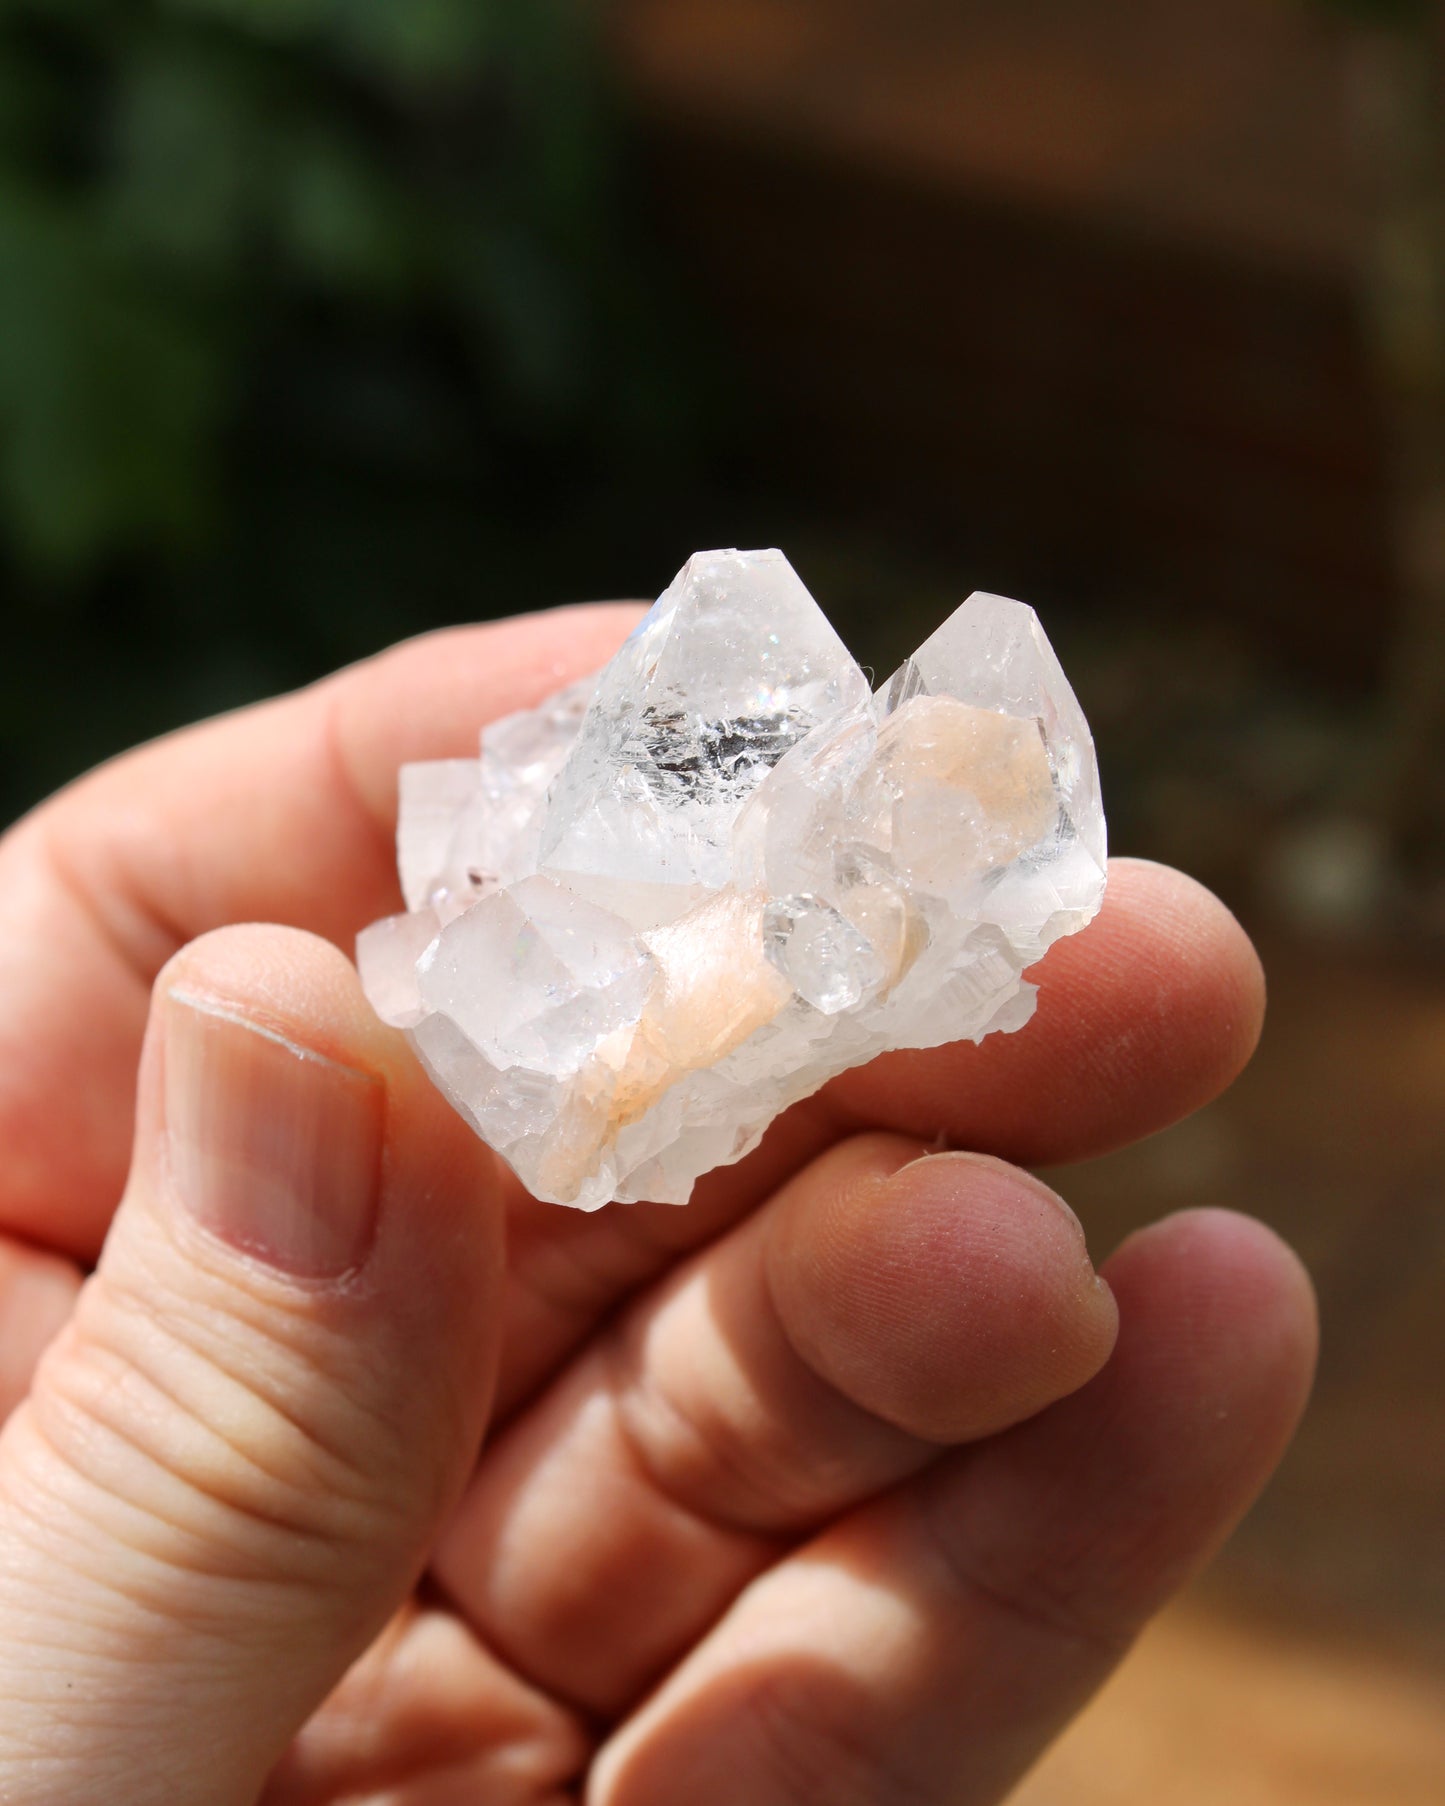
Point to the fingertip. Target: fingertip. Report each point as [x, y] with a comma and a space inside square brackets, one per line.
[299, 986]
[1142, 1018]
[285, 970]
[1168, 988]
[1220, 979]
[1227, 1298]
[950, 1294]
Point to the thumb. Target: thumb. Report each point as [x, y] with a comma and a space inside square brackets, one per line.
[233, 1460]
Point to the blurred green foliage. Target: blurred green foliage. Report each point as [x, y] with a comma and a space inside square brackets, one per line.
[311, 312]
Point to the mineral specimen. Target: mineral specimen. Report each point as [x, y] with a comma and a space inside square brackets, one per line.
[682, 895]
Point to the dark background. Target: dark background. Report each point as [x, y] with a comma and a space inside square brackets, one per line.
[323, 322]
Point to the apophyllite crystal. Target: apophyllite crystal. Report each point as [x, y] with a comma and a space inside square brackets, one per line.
[681, 895]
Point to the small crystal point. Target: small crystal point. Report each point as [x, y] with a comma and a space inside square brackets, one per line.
[829, 962]
[433, 797]
[677, 898]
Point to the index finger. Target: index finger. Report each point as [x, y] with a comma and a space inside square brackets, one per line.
[286, 813]
[281, 813]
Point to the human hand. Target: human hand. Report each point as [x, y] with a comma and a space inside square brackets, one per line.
[848, 1482]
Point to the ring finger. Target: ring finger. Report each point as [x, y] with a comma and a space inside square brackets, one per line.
[928, 1646]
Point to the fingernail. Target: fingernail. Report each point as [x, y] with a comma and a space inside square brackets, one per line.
[273, 1148]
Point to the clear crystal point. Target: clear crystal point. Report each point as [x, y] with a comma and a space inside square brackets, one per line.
[734, 665]
[680, 897]
[993, 654]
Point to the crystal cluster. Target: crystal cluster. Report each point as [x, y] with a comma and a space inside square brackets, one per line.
[683, 894]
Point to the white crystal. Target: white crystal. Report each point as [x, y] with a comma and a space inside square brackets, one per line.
[681, 896]
[467, 826]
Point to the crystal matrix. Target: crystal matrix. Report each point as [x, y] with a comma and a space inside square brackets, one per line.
[682, 895]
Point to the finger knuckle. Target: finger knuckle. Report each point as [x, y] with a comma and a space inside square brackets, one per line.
[1051, 1598]
[739, 1475]
[807, 1737]
[189, 1456]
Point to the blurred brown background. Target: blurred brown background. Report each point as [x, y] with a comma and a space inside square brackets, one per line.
[319, 330]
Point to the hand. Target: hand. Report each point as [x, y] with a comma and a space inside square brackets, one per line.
[847, 1483]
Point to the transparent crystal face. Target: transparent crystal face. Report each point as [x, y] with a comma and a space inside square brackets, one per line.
[677, 898]
[828, 960]
[734, 666]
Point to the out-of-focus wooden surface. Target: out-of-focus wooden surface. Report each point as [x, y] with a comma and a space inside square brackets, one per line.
[1215, 1711]
[1216, 122]
[1336, 1136]
[1067, 287]
[1308, 1667]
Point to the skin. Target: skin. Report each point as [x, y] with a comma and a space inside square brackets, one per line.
[849, 1482]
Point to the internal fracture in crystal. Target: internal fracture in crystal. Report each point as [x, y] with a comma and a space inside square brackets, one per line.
[682, 895]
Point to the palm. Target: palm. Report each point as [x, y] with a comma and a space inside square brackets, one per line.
[829, 1481]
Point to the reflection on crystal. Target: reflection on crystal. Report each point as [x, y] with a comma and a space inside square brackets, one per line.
[681, 896]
